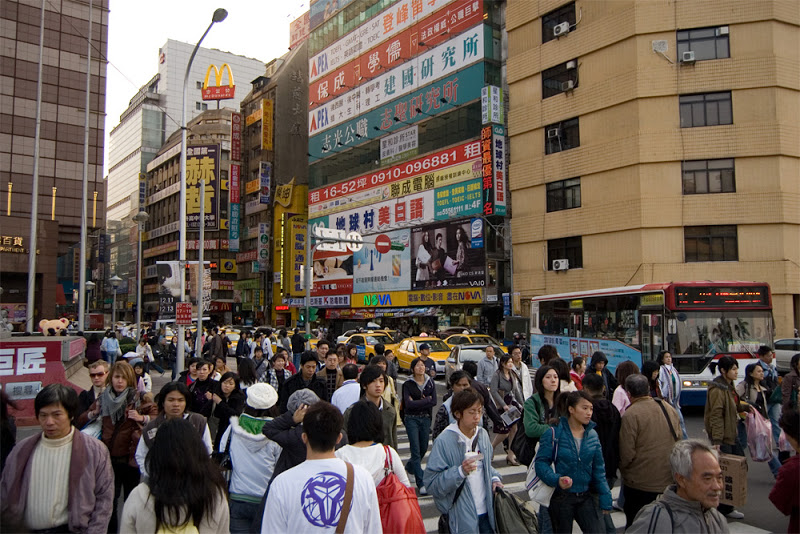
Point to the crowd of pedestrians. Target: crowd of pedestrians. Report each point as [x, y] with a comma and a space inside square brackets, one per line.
[306, 440]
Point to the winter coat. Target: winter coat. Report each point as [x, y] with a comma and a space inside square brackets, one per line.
[608, 421]
[198, 390]
[419, 402]
[91, 484]
[139, 516]
[586, 467]
[122, 438]
[488, 405]
[534, 418]
[225, 410]
[747, 393]
[645, 443]
[500, 387]
[443, 476]
[785, 495]
[670, 383]
[253, 458]
[686, 517]
[791, 382]
[722, 406]
[295, 383]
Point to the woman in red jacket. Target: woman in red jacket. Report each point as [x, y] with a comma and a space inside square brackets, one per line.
[785, 495]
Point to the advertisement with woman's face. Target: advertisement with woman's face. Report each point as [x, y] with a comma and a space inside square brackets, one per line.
[448, 255]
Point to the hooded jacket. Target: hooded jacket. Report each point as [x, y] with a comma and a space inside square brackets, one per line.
[585, 466]
[720, 415]
[253, 457]
[672, 513]
[443, 476]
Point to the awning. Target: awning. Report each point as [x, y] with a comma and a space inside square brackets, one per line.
[367, 313]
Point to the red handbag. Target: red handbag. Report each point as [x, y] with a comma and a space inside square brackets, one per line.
[399, 508]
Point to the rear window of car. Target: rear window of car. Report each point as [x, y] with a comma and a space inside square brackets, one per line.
[471, 355]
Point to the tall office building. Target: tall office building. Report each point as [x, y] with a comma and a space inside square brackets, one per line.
[61, 147]
[153, 114]
[654, 142]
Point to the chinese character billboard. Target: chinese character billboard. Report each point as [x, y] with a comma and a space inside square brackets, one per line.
[202, 163]
[448, 254]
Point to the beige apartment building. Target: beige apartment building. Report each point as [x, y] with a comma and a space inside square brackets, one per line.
[653, 141]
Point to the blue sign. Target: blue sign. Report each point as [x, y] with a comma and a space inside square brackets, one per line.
[571, 347]
[457, 89]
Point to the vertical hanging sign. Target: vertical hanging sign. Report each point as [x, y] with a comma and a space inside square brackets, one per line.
[263, 246]
[265, 175]
[266, 124]
[486, 170]
[236, 136]
[499, 168]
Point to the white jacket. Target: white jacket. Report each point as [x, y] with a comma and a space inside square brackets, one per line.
[253, 458]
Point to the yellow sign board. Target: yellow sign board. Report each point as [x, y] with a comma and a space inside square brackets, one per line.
[655, 299]
[384, 299]
[266, 124]
[435, 297]
[252, 186]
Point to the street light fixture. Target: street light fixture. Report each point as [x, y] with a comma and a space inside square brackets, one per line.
[115, 281]
[219, 16]
[140, 219]
[89, 285]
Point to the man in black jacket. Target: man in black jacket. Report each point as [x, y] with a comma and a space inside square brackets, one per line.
[608, 421]
[98, 372]
[298, 346]
[306, 378]
[489, 408]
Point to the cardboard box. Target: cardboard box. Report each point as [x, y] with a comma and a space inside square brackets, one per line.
[734, 479]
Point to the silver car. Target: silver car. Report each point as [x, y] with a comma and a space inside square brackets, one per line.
[784, 350]
[467, 353]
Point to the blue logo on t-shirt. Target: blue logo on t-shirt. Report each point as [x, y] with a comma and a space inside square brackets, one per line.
[322, 497]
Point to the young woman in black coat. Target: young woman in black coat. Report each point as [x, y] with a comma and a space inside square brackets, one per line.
[228, 400]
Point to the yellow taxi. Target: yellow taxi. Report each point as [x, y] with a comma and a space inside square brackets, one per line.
[409, 349]
[365, 344]
[466, 339]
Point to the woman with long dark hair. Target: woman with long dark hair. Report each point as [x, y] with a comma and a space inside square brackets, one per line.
[228, 401]
[669, 381]
[247, 373]
[424, 251]
[752, 391]
[184, 489]
[506, 393]
[461, 252]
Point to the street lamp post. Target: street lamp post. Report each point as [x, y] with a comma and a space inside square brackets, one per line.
[140, 219]
[115, 281]
[89, 285]
[219, 16]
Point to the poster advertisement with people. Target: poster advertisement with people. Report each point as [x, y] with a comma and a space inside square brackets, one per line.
[448, 254]
[383, 263]
[333, 273]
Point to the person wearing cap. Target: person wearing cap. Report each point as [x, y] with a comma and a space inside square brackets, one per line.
[424, 356]
[253, 455]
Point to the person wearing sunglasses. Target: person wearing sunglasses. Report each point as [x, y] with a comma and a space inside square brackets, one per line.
[98, 371]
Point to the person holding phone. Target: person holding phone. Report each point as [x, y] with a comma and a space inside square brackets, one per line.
[459, 474]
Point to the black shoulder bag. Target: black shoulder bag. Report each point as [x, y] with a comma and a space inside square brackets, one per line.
[669, 421]
[444, 519]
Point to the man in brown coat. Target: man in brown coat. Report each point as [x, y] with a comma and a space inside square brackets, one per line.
[649, 429]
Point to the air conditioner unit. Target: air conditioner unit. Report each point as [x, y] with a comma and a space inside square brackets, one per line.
[687, 57]
[561, 29]
[560, 265]
[569, 85]
[572, 64]
[722, 30]
[553, 133]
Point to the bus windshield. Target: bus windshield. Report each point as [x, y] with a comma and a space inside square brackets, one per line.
[719, 331]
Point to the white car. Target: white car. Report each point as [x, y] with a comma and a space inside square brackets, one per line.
[784, 350]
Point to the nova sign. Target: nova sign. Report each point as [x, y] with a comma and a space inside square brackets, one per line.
[377, 299]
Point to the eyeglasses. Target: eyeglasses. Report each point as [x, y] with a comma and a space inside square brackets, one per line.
[93, 375]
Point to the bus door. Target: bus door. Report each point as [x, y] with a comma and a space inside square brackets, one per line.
[650, 333]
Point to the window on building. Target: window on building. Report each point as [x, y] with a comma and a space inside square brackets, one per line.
[554, 18]
[559, 79]
[199, 85]
[204, 106]
[567, 248]
[561, 136]
[197, 105]
[564, 194]
[710, 243]
[707, 109]
[708, 176]
[706, 43]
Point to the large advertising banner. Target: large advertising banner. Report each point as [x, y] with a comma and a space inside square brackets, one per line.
[437, 28]
[298, 29]
[459, 200]
[433, 64]
[446, 254]
[266, 124]
[322, 10]
[437, 169]
[332, 273]
[409, 210]
[295, 253]
[431, 100]
[202, 163]
[383, 264]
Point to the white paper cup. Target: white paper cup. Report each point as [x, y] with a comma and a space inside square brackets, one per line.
[469, 455]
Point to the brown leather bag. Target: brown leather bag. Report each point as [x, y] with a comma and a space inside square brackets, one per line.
[348, 500]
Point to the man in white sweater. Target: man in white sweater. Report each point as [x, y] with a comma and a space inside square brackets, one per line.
[60, 480]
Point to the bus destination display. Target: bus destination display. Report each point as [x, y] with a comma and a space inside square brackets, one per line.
[721, 297]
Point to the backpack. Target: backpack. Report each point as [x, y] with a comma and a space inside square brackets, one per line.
[398, 503]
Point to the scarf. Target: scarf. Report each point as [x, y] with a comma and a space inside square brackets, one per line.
[251, 425]
[113, 405]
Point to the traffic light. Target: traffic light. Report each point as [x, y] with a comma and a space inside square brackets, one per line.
[312, 314]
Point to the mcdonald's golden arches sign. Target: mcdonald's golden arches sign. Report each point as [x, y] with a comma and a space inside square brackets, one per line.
[218, 91]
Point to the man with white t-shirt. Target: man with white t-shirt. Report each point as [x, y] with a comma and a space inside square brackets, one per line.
[319, 485]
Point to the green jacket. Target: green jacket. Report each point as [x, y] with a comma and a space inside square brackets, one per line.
[721, 413]
[533, 417]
